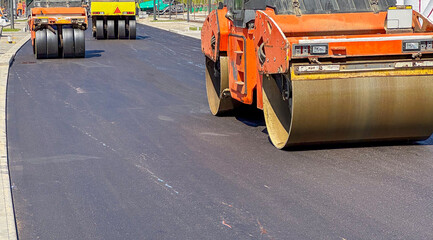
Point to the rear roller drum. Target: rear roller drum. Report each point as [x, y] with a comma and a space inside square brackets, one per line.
[110, 29]
[68, 43]
[217, 84]
[121, 29]
[52, 43]
[132, 29]
[100, 29]
[41, 44]
[277, 110]
[79, 43]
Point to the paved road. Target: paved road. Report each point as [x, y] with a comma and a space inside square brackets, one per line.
[121, 145]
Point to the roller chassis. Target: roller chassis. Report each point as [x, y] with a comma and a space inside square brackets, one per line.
[58, 32]
[113, 19]
[114, 27]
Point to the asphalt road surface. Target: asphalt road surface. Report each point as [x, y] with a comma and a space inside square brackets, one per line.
[121, 145]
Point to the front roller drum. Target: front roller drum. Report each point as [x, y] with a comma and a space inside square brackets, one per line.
[121, 29]
[100, 29]
[52, 43]
[79, 43]
[371, 108]
[111, 34]
[68, 43]
[132, 29]
[41, 44]
[277, 110]
[217, 84]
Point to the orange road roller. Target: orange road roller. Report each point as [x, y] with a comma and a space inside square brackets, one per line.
[323, 71]
[57, 28]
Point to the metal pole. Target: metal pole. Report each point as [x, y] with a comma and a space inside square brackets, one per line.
[11, 2]
[154, 10]
[169, 9]
[209, 6]
[187, 7]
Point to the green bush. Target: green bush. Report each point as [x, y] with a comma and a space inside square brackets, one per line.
[11, 29]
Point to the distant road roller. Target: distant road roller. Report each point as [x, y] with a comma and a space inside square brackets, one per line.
[323, 71]
[113, 19]
[57, 28]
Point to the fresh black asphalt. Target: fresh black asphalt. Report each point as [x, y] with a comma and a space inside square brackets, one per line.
[121, 145]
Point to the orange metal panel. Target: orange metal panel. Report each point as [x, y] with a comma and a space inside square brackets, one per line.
[343, 33]
[374, 45]
[326, 24]
[58, 15]
[367, 48]
[59, 10]
[209, 31]
[215, 26]
[243, 73]
[270, 40]
[223, 24]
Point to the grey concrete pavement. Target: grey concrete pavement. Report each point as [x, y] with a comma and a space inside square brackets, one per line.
[15, 37]
[121, 145]
[190, 29]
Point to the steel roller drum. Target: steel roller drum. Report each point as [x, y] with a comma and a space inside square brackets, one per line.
[371, 106]
[215, 83]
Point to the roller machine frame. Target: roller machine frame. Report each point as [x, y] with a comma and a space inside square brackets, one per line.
[57, 28]
[345, 71]
[113, 19]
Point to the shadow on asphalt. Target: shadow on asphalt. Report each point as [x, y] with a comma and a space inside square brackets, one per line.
[94, 53]
[141, 37]
[346, 145]
[253, 117]
[250, 116]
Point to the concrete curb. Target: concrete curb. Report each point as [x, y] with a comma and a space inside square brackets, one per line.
[7, 217]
